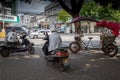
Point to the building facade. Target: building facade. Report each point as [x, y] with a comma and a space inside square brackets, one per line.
[51, 13]
[31, 14]
[7, 15]
[51, 18]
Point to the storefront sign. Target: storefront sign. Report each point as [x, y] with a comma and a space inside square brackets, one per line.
[8, 18]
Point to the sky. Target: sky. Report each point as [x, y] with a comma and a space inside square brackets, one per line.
[36, 6]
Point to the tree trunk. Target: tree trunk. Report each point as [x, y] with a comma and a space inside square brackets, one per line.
[74, 12]
[78, 30]
[77, 24]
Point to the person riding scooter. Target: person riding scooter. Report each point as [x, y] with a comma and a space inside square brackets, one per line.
[11, 38]
[25, 41]
[55, 41]
[57, 53]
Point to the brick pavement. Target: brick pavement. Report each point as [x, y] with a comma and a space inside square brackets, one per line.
[87, 65]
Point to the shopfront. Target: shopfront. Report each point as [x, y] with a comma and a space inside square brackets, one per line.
[5, 20]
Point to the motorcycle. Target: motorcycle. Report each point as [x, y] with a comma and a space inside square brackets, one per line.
[6, 49]
[58, 56]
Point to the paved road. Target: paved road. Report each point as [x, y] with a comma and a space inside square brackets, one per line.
[87, 65]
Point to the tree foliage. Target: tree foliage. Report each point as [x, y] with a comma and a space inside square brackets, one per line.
[76, 5]
[114, 3]
[74, 8]
[91, 9]
[7, 3]
[63, 16]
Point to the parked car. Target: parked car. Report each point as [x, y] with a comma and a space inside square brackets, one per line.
[59, 30]
[39, 34]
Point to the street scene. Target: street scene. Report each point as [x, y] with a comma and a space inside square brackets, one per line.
[59, 40]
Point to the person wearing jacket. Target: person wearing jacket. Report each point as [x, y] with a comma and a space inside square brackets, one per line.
[11, 38]
[55, 41]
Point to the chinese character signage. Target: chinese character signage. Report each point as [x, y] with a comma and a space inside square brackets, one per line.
[8, 18]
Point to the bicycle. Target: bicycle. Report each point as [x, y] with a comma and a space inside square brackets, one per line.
[109, 48]
[75, 46]
[85, 45]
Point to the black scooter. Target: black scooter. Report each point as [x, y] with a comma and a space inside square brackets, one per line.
[6, 49]
[58, 56]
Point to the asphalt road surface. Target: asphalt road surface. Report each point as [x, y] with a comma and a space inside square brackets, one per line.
[86, 65]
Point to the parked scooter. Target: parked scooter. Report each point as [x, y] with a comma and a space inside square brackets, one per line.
[26, 45]
[58, 56]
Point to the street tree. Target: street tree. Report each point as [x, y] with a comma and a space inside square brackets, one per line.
[76, 6]
[89, 9]
[93, 10]
[73, 7]
[114, 3]
[116, 15]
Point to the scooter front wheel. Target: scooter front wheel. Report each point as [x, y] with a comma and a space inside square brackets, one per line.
[31, 50]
